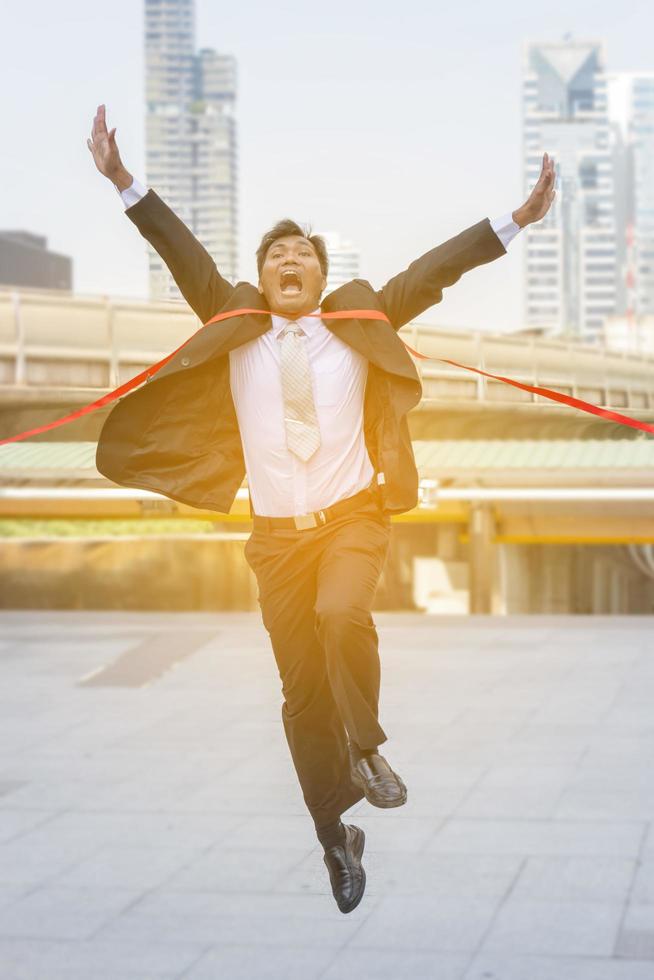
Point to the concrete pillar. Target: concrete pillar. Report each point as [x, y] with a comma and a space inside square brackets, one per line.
[448, 542]
[481, 531]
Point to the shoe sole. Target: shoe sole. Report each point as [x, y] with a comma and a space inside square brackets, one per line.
[382, 806]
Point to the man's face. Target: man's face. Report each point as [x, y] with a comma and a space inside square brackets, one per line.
[291, 278]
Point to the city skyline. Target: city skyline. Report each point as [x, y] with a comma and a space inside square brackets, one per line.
[404, 105]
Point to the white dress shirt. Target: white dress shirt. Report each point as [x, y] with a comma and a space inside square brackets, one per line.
[281, 484]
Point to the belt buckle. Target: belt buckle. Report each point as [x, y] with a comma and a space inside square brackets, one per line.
[304, 521]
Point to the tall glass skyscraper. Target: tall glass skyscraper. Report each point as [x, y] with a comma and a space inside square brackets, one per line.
[641, 139]
[570, 256]
[191, 153]
[631, 107]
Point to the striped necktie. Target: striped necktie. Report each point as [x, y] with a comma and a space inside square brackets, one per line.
[300, 418]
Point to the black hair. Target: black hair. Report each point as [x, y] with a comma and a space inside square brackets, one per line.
[289, 227]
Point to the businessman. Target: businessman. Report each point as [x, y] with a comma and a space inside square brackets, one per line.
[313, 408]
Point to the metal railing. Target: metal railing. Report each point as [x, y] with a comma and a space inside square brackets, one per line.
[51, 339]
[593, 373]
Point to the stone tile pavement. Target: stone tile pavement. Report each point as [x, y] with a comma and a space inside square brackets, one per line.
[151, 825]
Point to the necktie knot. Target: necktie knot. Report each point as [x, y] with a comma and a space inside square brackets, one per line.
[292, 328]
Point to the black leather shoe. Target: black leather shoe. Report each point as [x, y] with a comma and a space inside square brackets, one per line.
[346, 874]
[382, 787]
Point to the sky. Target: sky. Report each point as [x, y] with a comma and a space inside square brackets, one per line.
[396, 124]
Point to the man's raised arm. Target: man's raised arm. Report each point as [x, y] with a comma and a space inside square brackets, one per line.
[191, 266]
[421, 285]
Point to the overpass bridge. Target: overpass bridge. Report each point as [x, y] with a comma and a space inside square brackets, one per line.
[515, 489]
[59, 349]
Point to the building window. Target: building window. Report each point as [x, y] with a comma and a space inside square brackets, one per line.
[588, 174]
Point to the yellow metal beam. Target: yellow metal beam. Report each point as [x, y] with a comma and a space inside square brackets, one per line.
[597, 539]
[142, 509]
[569, 524]
[574, 539]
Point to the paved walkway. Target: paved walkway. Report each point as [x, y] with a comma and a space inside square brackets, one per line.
[151, 825]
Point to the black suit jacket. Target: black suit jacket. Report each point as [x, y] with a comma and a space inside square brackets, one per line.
[178, 435]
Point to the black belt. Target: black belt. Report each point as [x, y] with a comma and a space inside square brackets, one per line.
[317, 518]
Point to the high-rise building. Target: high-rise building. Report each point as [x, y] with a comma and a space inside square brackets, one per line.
[191, 154]
[343, 260]
[631, 103]
[642, 134]
[570, 255]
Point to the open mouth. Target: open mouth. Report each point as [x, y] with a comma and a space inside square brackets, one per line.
[290, 282]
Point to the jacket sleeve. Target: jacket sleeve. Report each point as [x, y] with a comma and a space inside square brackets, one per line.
[191, 266]
[421, 285]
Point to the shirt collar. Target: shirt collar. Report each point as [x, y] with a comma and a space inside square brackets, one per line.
[308, 323]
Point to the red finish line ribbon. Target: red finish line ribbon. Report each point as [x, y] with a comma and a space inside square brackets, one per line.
[149, 372]
[556, 396]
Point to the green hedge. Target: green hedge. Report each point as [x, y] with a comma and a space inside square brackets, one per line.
[30, 528]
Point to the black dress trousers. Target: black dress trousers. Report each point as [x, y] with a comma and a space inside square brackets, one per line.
[316, 589]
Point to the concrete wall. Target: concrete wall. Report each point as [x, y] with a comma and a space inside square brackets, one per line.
[572, 579]
[126, 573]
[206, 573]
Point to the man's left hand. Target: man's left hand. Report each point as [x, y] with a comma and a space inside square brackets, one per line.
[539, 201]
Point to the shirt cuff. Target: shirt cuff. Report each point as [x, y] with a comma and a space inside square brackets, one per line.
[505, 228]
[133, 193]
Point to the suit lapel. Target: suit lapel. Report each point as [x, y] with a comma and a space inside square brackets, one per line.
[219, 338]
[240, 329]
[375, 339]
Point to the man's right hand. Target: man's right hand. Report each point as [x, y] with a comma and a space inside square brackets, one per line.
[102, 146]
